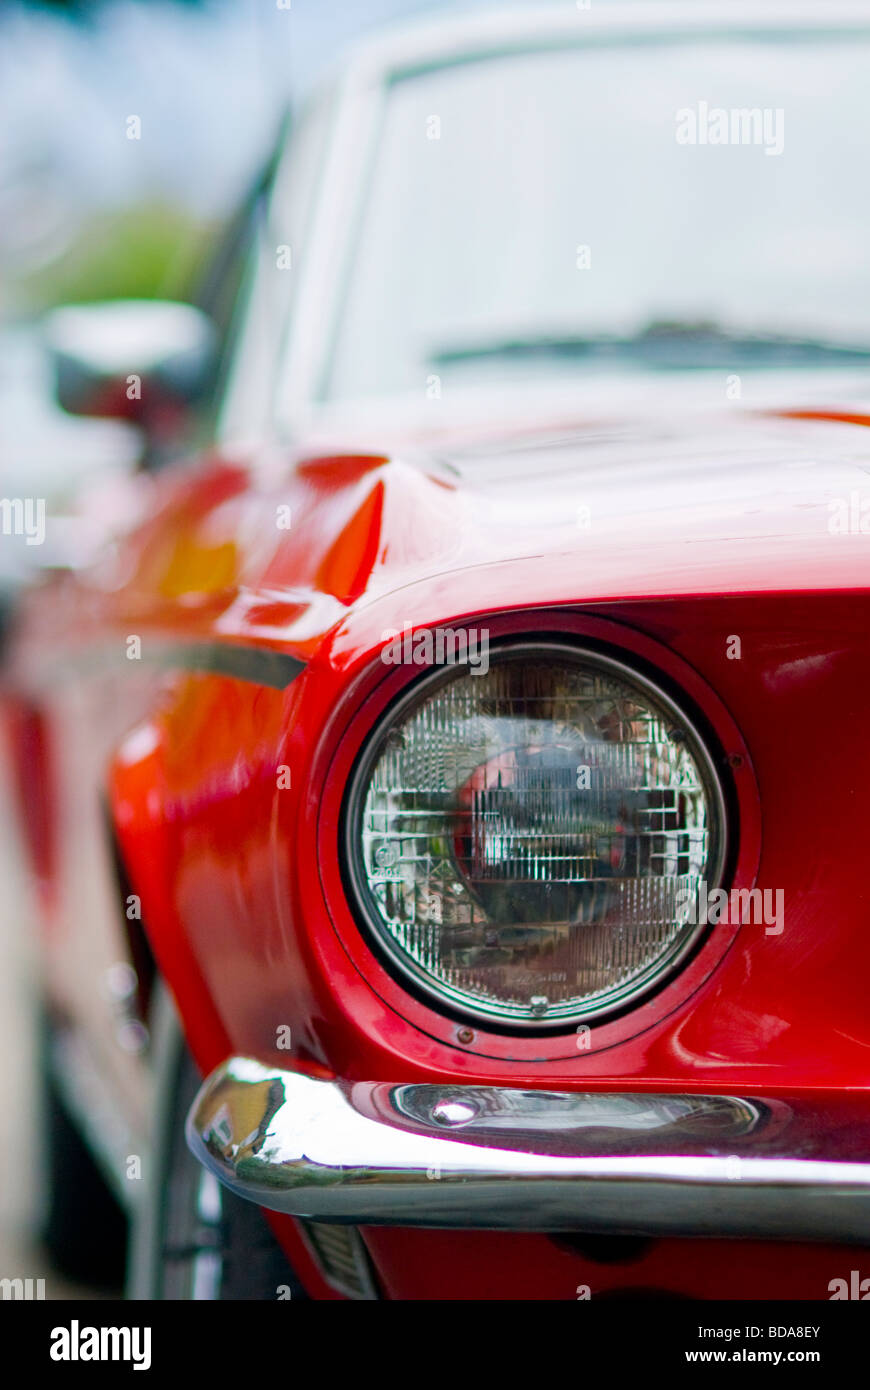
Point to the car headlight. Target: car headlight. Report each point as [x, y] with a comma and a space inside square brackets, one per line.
[528, 845]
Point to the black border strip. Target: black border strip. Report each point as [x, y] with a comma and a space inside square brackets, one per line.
[259, 665]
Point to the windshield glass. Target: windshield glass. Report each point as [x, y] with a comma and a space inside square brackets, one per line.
[697, 203]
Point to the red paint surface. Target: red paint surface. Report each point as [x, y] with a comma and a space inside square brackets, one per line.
[693, 539]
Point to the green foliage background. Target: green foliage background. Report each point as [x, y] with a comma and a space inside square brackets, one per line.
[150, 250]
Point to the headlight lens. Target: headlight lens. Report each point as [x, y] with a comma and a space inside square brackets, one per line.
[529, 844]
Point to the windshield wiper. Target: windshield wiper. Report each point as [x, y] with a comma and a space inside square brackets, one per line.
[664, 344]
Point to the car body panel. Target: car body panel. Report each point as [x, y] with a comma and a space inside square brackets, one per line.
[193, 790]
[261, 585]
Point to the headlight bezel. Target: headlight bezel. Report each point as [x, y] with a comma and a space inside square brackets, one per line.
[419, 686]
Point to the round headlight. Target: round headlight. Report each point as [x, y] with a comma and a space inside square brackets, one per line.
[528, 845]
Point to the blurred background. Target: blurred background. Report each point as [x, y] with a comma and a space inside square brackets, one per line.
[89, 214]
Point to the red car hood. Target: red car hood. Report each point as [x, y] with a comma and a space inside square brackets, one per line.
[740, 501]
[707, 503]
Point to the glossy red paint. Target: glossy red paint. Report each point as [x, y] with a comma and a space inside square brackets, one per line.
[240, 922]
[466, 1265]
[844, 417]
[30, 763]
[696, 537]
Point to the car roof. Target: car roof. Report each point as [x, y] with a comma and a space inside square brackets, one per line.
[452, 36]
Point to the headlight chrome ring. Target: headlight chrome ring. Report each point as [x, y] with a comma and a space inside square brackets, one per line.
[526, 847]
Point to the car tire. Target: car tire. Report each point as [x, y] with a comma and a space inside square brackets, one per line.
[192, 1238]
[82, 1226]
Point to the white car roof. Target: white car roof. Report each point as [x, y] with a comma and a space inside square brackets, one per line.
[450, 35]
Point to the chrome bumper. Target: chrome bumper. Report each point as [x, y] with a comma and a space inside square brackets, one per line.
[496, 1158]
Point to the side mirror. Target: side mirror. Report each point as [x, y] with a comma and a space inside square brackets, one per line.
[147, 361]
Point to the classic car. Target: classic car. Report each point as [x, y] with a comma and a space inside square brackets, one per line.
[444, 777]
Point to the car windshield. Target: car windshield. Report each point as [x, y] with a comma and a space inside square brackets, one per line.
[652, 205]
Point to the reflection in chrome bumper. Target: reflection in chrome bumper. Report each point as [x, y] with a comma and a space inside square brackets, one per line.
[498, 1158]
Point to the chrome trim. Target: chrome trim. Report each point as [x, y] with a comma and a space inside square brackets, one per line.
[497, 1158]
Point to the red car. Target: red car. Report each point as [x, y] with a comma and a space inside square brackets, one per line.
[446, 792]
